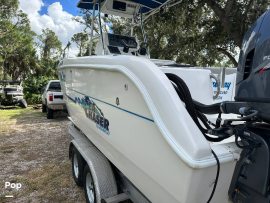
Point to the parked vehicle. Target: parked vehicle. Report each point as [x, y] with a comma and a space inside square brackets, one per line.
[142, 130]
[11, 93]
[52, 98]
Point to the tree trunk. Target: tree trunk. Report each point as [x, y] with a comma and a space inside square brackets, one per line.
[228, 54]
[224, 16]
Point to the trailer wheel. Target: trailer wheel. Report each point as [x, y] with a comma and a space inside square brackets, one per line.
[44, 108]
[49, 113]
[77, 167]
[89, 187]
[97, 165]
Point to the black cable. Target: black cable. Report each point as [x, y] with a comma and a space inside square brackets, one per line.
[217, 176]
[207, 109]
[184, 94]
[204, 120]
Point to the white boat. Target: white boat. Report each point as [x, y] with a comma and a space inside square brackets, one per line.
[125, 104]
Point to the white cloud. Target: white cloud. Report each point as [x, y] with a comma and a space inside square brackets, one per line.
[56, 19]
[31, 6]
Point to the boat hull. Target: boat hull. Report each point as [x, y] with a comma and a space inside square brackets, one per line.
[111, 109]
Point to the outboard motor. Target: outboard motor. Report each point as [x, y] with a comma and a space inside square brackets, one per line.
[253, 73]
[250, 182]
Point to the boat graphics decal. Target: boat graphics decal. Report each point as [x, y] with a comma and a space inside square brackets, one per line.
[104, 102]
[94, 113]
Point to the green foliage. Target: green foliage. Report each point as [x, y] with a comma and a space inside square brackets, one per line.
[51, 49]
[7, 8]
[49, 44]
[32, 98]
[17, 52]
[81, 39]
[197, 32]
[202, 32]
[119, 25]
[33, 87]
[47, 66]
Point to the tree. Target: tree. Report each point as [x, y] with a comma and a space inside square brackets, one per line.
[204, 32]
[17, 53]
[50, 51]
[50, 44]
[234, 18]
[197, 32]
[8, 10]
[81, 39]
[50, 47]
[86, 20]
[18, 58]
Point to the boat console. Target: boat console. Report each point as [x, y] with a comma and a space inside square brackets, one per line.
[120, 45]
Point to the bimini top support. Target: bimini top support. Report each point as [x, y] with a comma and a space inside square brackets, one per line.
[136, 10]
[126, 8]
[92, 30]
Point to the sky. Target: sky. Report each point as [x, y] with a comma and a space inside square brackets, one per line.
[69, 6]
[56, 15]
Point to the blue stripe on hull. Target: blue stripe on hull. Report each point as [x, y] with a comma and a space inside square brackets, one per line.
[127, 111]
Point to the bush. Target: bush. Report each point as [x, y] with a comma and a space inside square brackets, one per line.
[33, 98]
[33, 88]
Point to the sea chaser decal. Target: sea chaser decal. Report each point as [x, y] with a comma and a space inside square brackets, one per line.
[94, 113]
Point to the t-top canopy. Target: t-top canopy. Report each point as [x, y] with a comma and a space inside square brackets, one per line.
[121, 5]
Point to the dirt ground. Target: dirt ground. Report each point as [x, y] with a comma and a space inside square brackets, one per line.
[34, 153]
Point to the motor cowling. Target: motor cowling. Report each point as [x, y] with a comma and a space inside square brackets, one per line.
[253, 72]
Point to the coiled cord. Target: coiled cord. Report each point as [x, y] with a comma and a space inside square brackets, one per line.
[184, 94]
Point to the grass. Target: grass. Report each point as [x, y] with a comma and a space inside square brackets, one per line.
[34, 146]
[8, 117]
[49, 182]
[10, 113]
[7, 114]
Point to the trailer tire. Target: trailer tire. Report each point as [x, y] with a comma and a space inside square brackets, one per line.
[77, 166]
[49, 113]
[44, 108]
[89, 186]
[99, 166]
